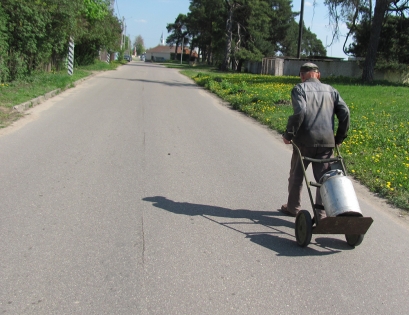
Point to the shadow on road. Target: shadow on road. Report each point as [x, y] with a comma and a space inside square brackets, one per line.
[268, 226]
[168, 83]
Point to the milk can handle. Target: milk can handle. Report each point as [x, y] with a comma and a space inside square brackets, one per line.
[341, 160]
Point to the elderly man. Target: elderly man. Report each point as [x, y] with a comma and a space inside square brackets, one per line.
[311, 128]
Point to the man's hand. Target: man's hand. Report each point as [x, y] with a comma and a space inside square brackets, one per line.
[286, 141]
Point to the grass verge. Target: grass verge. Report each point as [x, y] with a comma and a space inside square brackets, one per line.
[376, 150]
[38, 84]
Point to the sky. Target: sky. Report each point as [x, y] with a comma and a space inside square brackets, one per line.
[149, 18]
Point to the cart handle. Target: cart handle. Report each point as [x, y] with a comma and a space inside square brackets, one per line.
[344, 169]
[309, 184]
[335, 159]
[306, 181]
[315, 184]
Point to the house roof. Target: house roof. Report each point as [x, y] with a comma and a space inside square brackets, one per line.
[170, 49]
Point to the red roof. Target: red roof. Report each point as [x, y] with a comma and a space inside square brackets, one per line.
[170, 49]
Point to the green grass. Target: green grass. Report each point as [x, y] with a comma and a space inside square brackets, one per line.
[376, 150]
[38, 84]
[175, 64]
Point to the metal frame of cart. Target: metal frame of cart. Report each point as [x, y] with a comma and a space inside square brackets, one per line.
[354, 227]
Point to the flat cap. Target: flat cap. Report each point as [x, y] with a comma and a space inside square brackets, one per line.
[309, 66]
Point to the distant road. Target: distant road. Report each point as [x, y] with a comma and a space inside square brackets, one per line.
[138, 192]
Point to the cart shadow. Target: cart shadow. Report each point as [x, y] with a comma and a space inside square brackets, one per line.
[272, 237]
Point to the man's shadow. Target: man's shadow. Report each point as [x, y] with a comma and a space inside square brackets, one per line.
[275, 238]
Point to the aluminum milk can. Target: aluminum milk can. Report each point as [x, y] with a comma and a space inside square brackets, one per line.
[338, 195]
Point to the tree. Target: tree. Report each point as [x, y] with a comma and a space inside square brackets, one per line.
[231, 6]
[353, 11]
[282, 22]
[394, 40]
[101, 30]
[252, 35]
[65, 21]
[4, 72]
[206, 22]
[370, 60]
[310, 44]
[38, 33]
[267, 25]
[24, 30]
[101, 34]
[228, 32]
[178, 32]
[96, 9]
[258, 26]
[139, 45]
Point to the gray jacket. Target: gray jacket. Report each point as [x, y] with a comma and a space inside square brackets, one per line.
[312, 124]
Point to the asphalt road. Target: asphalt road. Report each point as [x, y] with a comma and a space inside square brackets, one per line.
[138, 192]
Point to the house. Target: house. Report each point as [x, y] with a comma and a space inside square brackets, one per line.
[160, 53]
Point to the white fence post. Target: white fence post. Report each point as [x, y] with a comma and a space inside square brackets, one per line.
[71, 56]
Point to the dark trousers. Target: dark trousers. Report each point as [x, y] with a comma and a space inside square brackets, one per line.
[296, 179]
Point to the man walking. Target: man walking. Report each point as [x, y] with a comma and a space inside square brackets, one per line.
[311, 128]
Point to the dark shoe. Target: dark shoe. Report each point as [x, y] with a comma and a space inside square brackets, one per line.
[285, 210]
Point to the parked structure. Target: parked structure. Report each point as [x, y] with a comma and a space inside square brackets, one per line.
[328, 67]
[162, 53]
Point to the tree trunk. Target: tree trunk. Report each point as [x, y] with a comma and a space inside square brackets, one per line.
[368, 72]
[203, 54]
[176, 51]
[229, 39]
[240, 65]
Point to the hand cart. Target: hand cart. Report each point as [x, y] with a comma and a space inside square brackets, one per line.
[340, 205]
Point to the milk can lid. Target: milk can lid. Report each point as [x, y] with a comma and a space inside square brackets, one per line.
[330, 174]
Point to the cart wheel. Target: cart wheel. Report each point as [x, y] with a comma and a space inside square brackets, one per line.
[303, 228]
[354, 239]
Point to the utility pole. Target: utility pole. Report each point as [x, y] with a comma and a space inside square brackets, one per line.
[122, 34]
[181, 54]
[300, 29]
[125, 36]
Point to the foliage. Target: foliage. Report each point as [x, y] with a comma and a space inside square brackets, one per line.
[139, 45]
[4, 72]
[258, 27]
[178, 32]
[228, 32]
[394, 42]
[377, 148]
[281, 25]
[38, 32]
[310, 44]
[392, 66]
[101, 34]
[206, 25]
[356, 12]
[96, 9]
